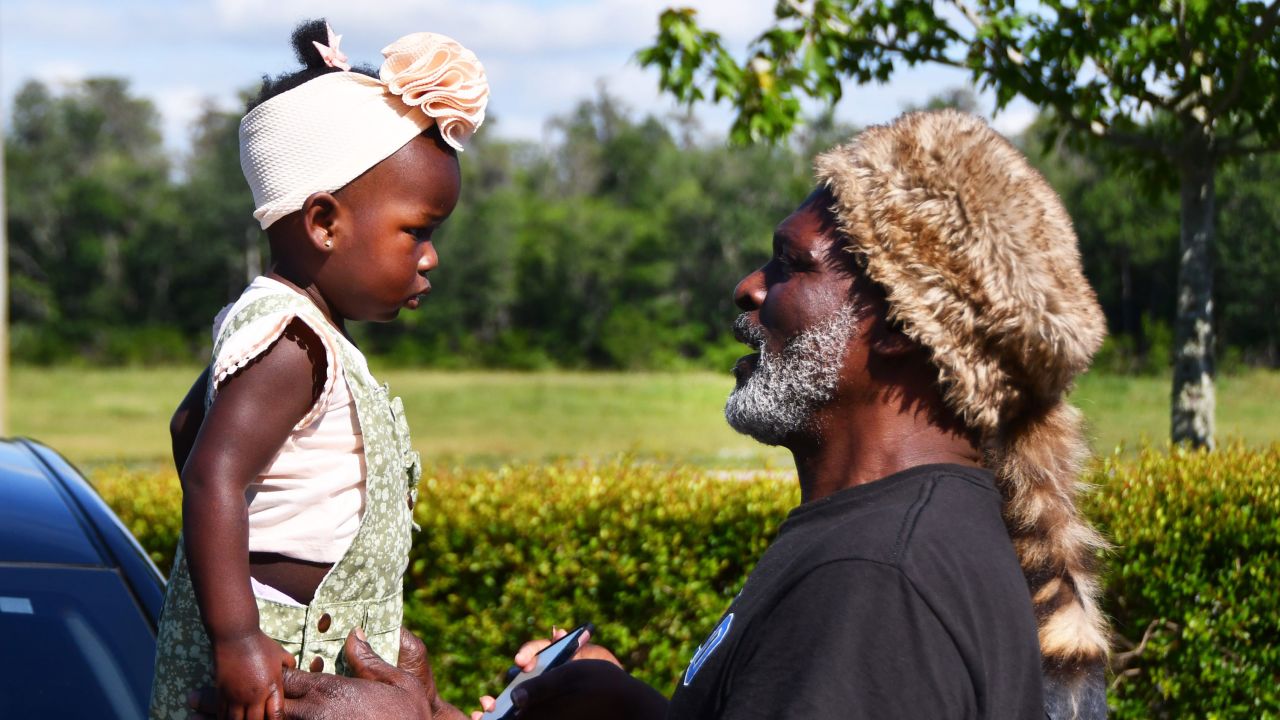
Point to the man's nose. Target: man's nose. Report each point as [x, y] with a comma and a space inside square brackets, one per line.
[429, 259]
[749, 294]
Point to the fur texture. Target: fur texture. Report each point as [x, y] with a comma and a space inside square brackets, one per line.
[980, 265]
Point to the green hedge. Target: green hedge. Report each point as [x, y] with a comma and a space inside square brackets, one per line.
[653, 554]
[1195, 572]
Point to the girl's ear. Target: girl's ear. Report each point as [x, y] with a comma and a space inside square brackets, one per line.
[320, 214]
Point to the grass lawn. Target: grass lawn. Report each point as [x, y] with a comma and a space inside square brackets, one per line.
[99, 416]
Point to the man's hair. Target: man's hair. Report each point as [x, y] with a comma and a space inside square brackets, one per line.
[979, 264]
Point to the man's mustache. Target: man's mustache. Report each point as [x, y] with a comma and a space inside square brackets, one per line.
[747, 332]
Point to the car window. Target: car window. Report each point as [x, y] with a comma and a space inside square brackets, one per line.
[76, 645]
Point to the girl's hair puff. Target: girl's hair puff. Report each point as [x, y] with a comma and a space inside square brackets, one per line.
[305, 35]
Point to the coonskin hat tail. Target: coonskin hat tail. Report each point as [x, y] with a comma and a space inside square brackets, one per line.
[1037, 463]
[979, 264]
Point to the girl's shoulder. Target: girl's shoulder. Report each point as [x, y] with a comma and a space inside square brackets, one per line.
[248, 327]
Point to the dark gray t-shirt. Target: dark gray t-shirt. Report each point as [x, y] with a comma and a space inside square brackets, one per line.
[902, 598]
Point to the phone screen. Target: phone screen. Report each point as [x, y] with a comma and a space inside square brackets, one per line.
[553, 655]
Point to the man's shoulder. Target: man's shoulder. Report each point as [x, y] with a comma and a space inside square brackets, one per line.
[892, 517]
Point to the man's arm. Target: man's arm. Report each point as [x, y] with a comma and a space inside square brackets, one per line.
[187, 419]
[853, 639]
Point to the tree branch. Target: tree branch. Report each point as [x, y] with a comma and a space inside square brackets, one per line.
[1136, 141]
[1237, 149]
[1122, 660]
[1180, 28]
[913, 55]
[1269, 17]
[1156, 101]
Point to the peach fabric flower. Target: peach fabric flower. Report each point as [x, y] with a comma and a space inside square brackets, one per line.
[443, 78]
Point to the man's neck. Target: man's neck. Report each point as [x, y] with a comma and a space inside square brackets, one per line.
[864, 443]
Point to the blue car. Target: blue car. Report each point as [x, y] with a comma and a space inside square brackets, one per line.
[79, 599]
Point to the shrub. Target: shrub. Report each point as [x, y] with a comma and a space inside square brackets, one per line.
[650, 554]
[1192, 581]
[654, 554]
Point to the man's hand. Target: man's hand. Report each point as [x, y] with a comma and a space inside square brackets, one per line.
[587, 690]
[377, 690]
[527, 656]
[248, 677]
[526, 659]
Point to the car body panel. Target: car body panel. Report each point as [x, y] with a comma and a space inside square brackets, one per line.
[79, 598]
[36, 523]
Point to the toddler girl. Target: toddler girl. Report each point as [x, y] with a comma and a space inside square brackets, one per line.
[298, 489]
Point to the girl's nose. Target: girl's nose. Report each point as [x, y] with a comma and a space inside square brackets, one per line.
[429, 259]
[749, 294]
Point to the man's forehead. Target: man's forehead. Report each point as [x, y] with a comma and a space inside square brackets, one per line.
[810, 223]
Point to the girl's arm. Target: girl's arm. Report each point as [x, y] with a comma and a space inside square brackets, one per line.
[251, 417]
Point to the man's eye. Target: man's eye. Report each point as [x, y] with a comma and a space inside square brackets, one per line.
[786, 262]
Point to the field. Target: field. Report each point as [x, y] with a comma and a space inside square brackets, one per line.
[97, 416]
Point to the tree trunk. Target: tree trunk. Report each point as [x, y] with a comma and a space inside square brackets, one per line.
[1193, 398]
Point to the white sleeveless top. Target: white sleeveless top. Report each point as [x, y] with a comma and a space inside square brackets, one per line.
[308, 502]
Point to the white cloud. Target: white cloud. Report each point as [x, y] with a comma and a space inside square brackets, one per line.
[59, 72]
[501, 26]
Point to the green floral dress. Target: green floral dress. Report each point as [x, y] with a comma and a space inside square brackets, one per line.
[363, 589]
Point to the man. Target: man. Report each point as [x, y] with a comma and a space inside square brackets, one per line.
[917, 328]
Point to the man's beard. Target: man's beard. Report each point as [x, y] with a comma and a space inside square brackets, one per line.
[785, 390]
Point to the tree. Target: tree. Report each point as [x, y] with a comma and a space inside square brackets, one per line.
[88, 195]
[1178, 87]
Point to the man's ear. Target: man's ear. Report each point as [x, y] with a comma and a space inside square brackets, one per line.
[320, 216]
[885, 338]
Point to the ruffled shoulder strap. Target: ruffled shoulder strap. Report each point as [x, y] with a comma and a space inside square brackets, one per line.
[248, 328]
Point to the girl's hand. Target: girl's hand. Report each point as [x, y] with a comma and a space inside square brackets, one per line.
[248, 674]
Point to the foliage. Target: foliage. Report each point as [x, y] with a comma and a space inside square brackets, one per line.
[614, 245]
[1101, 67]
[1175, 88]
[652, 554]
[1192, 587]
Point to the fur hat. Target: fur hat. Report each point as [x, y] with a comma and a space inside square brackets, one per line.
[979, 264]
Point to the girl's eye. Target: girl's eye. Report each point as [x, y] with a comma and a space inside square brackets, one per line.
[421, 234]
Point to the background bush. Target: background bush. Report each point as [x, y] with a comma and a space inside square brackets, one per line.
[1192, 583]
[654, 554]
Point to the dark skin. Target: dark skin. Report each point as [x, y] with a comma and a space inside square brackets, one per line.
[407, 690]
[361, 253]
[887, 415]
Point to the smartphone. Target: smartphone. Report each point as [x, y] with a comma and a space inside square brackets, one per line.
[553, 655]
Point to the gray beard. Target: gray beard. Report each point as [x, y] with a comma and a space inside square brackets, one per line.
[781, 396]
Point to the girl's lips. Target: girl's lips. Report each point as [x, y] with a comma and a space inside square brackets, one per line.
[417, 298]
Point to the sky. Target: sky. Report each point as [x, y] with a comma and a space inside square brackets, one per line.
[541, 56]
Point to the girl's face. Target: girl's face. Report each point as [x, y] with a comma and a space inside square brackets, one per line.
[382, 232]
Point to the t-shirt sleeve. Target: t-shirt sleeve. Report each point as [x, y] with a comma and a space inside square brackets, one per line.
[239, 348]
[852, 639]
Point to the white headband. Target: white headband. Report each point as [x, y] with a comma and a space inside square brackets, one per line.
[328, 131]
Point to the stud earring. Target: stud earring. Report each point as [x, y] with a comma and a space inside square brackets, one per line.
[328, 243]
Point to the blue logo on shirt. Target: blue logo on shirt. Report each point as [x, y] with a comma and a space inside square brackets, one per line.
[707, 647]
